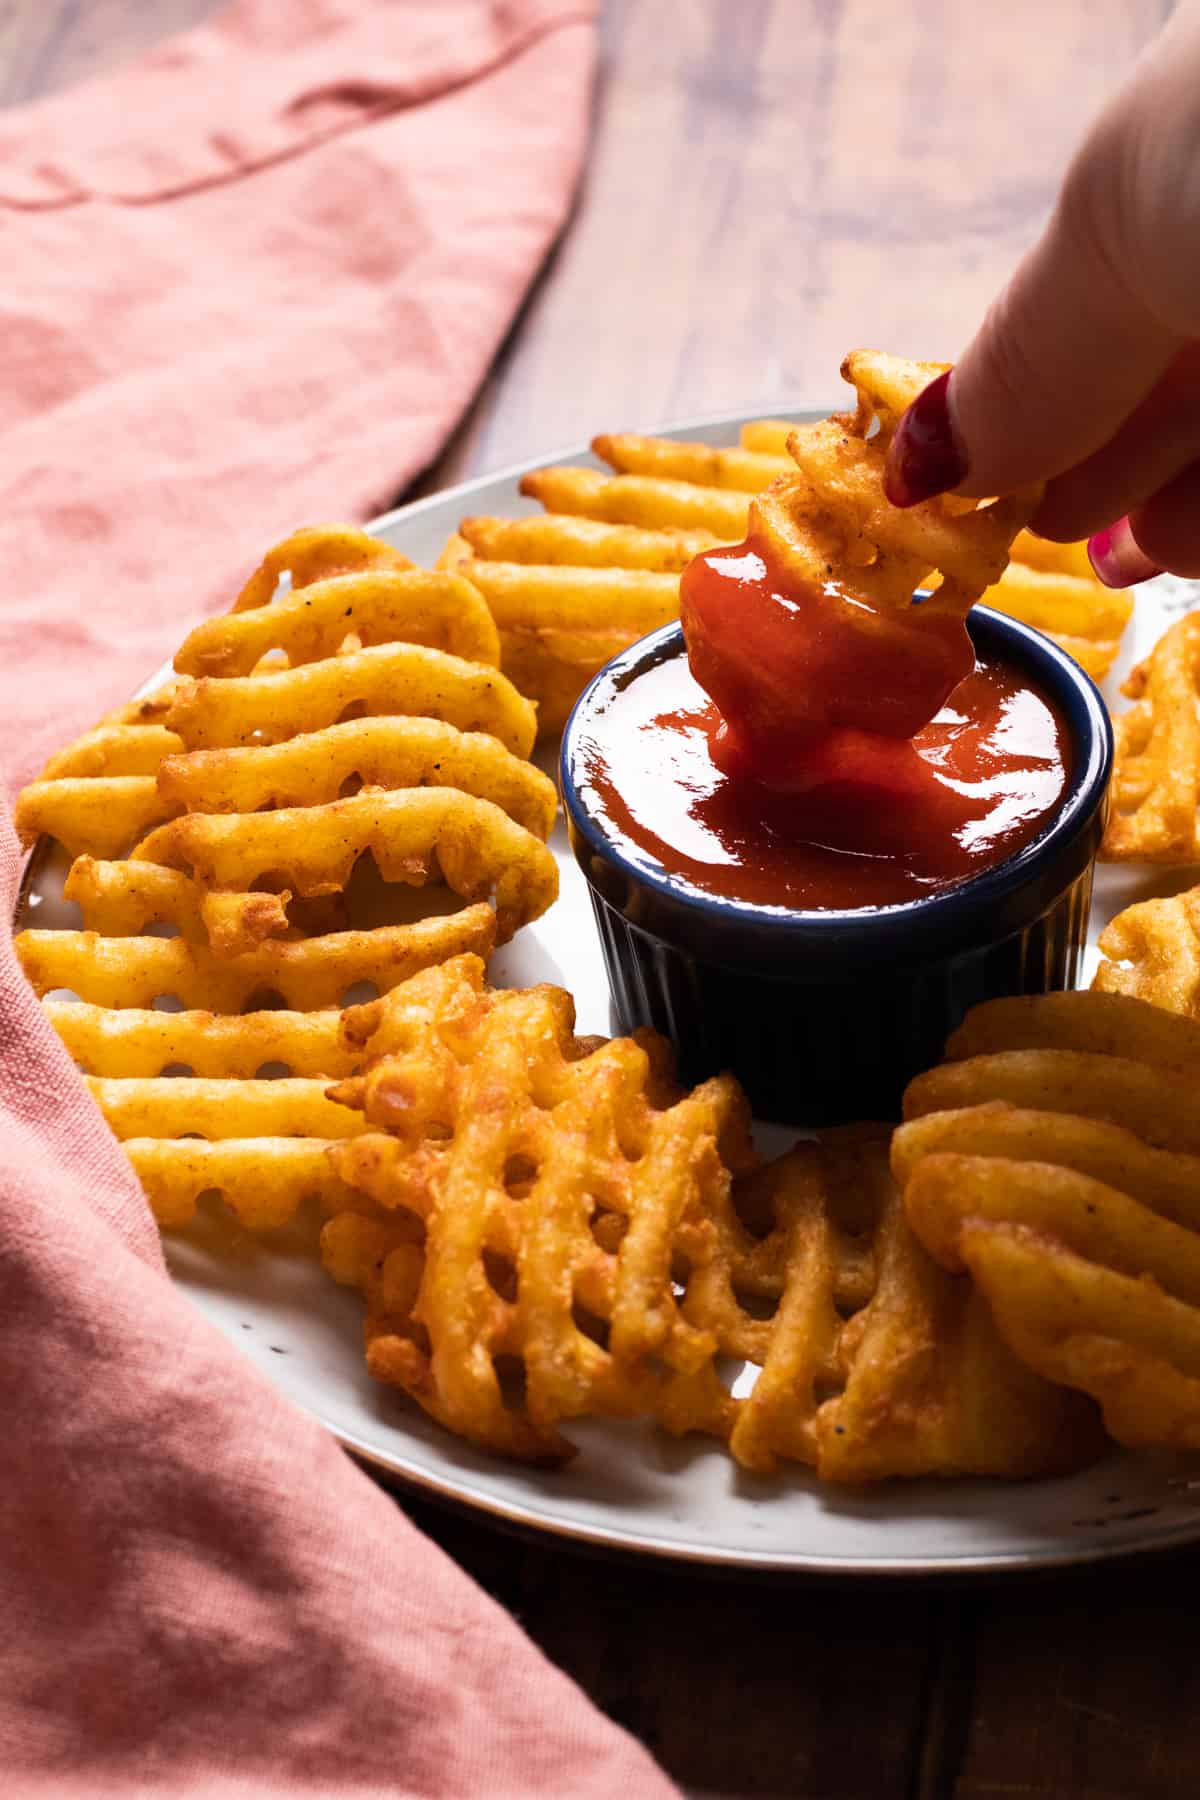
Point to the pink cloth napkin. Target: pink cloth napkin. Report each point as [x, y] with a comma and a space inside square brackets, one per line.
[247, 284]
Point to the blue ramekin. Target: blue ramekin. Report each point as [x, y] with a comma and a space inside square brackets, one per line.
[826, 1016]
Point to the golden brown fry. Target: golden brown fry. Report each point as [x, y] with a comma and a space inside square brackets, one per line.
[706, 465]
[130, 741]
[561, 540]
[170, 1106]
[120, 899]
[641, 500]
[1089, 1287]
[527, 1195]
[415, 835]
[263, 1181]
[835, 513]
[1156, 1103]
[379, 606]
[1059, 559]
[102, 814]
[534, 598]
[312, 769]
[314, 553]
[392, 679]
[1156, 773]
[1083, 616]
[1154, 952]
[1106, 1024]
[767, 437]
[314, 973]
[133, 1041]
[534, 1121]
[918, 1383]
[114, 750]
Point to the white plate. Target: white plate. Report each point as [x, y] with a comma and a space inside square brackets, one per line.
[633, 1488]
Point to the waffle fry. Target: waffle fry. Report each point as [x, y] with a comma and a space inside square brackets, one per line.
[704, 465]
[1102, 1024]
[1083, 617]
[392, 679]
[376, 606]
[531, 1198]
[1156, 777]
[99, 794]
[558, 540]
[133, 1041]
[306, 976]
[918, 1381]
[834, 512]
[578, 1133]
[648, 501]
[1153, 952]
[315, 553]
[263, 1181]
[1066, 1182]
[415, 835]
[173, 1106]
[312, 770]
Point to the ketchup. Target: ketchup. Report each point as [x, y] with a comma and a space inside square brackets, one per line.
[792, 666]
[872, 827]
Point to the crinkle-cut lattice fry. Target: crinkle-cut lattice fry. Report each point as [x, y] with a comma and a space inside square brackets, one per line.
[1084, 618]
[1036, 552]
[541, 1140]
[130, 741]
[120, 899]
[1166, 1181]
[1089, 1287]
[377, 606]
[129, 1041]
[644, 500]
[315, 553]
[262, 1180]
[102, 814]
[533, 597]
[308, 975]
[560, 540]
[835, 512]
[169, 1106]
[311, 770]
[1156, 772]
[1104, 1024]
[404, 679]
[415, 835]
[676, 459]
[1156, 1103]
[1153, 949]
[877, 1364]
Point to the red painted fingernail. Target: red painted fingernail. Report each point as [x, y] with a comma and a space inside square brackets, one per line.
[1117, 559]
[923, 458]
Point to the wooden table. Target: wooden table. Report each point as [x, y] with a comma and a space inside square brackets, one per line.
[770, 184]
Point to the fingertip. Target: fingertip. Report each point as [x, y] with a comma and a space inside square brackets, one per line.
[924, 457]
[1117, 559]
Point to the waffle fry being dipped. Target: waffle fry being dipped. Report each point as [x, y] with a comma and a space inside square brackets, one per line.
[531, 1202]
[1056, 1158]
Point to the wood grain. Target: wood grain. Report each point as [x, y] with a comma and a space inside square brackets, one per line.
[771, 183]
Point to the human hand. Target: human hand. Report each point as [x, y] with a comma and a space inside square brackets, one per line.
[1085, 373]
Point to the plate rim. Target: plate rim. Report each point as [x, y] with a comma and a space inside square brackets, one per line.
[457, 1490]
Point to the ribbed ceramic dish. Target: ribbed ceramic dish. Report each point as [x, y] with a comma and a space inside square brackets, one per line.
[632, 1489]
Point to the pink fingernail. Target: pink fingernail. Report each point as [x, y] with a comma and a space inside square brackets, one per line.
[1116, 558]
[923, 457]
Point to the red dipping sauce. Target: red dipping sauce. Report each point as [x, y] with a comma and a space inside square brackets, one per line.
[974, 785]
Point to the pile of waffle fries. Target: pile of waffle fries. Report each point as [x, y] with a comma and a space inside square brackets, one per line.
[359, 713]
[543, 1227]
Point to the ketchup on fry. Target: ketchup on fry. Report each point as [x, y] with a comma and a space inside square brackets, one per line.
[819, 753]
